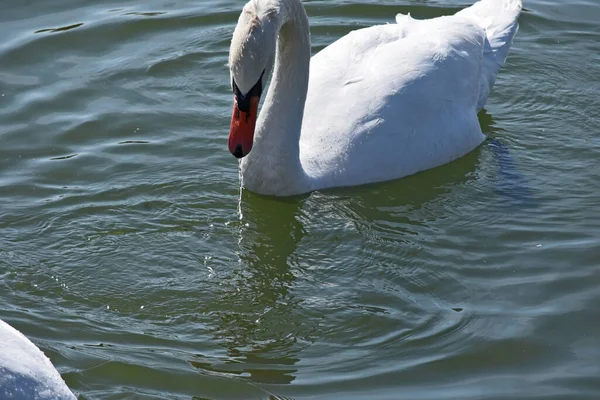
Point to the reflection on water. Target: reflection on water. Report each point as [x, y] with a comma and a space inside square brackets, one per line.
[268, 322]
[266, 317]
[257, 305]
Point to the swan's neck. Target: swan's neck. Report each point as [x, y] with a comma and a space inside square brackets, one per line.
[273, 166]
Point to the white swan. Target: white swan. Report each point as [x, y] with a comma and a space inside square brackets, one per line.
[380, 103]
[25, 372]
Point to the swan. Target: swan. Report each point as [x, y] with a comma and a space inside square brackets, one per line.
[25, 372]
[380, 103]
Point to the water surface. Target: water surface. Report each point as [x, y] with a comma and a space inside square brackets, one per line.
[129, 255]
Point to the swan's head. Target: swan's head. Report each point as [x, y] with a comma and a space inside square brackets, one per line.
[250, 62]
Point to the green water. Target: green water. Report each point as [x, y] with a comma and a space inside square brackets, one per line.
[129, 256]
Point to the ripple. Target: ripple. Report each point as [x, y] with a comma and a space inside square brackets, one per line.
[61, 29]
[63, 157]
[135, 142]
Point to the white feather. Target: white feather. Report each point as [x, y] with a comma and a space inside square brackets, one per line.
[381, 103]
[25, 372]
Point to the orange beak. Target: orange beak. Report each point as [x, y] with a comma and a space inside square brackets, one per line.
[241, 132]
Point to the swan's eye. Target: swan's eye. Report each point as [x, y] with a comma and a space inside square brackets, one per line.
[243, 100]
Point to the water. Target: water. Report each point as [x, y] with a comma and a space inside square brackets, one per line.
[128, 254]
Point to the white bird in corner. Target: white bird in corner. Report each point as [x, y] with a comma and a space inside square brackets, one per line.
[379, 104]
[25, 372]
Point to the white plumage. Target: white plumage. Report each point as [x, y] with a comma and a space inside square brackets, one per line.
[378, 104]
[25, 372]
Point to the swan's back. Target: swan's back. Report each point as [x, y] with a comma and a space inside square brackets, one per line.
[392, 100]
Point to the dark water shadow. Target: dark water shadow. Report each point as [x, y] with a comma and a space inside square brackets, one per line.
[510, 185]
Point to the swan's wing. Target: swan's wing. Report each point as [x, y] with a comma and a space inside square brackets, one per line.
[391, 100]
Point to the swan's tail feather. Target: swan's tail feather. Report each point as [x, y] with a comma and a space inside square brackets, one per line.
[499, 20]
